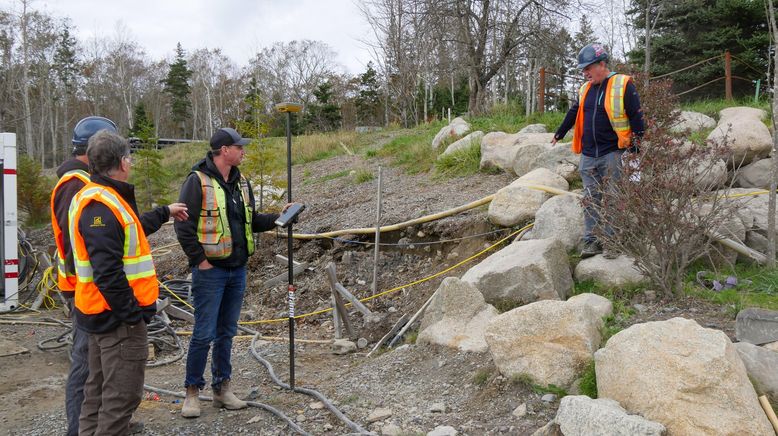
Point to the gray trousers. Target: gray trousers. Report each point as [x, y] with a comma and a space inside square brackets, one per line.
[596, 174]
[114, 389]
[79, 370]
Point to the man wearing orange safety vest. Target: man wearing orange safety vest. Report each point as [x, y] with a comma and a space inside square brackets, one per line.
[607, 121]
[116, 286]
[73, 175]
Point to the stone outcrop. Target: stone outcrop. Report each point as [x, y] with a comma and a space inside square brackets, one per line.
[616, 272]
[523, 272]
[464, 143]
[456, 317]
[455, 129]
[686, 377]
[560, 217]
[516, 203]
[549, 341]
[579, 415]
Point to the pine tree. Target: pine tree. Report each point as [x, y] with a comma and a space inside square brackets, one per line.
[177, 86]
[264, 161]
[368, 101]
[149, 175]
[324, 115]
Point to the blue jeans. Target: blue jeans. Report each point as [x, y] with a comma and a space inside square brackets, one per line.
[218, 296]
[596, 174]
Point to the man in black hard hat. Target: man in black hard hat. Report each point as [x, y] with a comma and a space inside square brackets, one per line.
[607, 121]
[73, 175]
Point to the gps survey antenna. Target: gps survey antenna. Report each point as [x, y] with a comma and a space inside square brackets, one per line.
[289, 108]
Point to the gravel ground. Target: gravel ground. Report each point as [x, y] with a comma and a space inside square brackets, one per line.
[422, 386]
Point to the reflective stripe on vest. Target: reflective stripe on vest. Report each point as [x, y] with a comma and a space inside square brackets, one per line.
[66, 277]
[614, 107]
[136, 257]
[213, 230]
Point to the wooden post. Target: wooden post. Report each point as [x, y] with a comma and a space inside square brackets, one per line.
[542, 90]
[727, 75]
[377, 235]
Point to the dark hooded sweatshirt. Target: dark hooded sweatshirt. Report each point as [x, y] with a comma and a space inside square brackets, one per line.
[62, 200]
[105, 246]
[192, 193]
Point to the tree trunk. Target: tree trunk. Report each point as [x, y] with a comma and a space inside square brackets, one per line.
[28, 141]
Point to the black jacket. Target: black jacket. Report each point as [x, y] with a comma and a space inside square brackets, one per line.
[62, 200]
[105, 246]
[599, 138]
[192, 195]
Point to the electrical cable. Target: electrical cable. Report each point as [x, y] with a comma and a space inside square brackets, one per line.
[410, 244]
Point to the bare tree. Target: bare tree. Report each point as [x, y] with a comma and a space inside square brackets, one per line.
[774, 179]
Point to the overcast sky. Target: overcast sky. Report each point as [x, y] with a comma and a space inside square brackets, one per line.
[238, 27]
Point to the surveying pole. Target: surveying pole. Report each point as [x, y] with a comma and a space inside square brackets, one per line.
[289, 108]
[9, 258]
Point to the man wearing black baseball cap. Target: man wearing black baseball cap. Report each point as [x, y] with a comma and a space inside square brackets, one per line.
[218, 238]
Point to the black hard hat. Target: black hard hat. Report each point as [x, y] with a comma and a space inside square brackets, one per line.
[591, 54]
[86, 128]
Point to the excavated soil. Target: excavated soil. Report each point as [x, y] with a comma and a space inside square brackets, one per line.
[422, 386]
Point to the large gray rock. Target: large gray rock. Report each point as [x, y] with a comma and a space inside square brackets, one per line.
[560, 159]
[534, 128]
[455, 129]
[756, 326]
[499, 149]
[710, 176]
[526, 156]
[742, 112]
[616, 272]
[464, 143]
[762, 367]
[747, 138]
[755, 175]
[560, 217]
[601, 306]
[523, 272]
[549, 341]
[579, 415]
[516, 203]
[457, 317]
[690, 379]
[692, 122]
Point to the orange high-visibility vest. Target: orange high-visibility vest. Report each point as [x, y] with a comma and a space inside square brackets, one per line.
[66, 277]
[138, 265]
[614, 107]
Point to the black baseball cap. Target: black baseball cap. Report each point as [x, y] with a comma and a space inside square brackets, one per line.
[227, 136]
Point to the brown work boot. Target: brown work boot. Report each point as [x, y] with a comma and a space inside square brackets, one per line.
[223, 397]
[191, 407]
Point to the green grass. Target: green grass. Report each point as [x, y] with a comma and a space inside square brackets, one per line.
[588, 384]
[528, 381]
[464, 162]
[413, 150]
[757, 287]
[326, 178]
[621, 300]
[363, 175]
[510, 119]
[481, 377]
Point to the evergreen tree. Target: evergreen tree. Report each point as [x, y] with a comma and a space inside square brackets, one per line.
[323, 115]
[177, 86]
[264, 162]
[368, 100]
[149, 175]
[690, 31]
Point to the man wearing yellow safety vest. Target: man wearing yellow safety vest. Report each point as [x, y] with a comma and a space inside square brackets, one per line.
[607, 121]
[116, 285]
[218, 238]
[73, 175]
